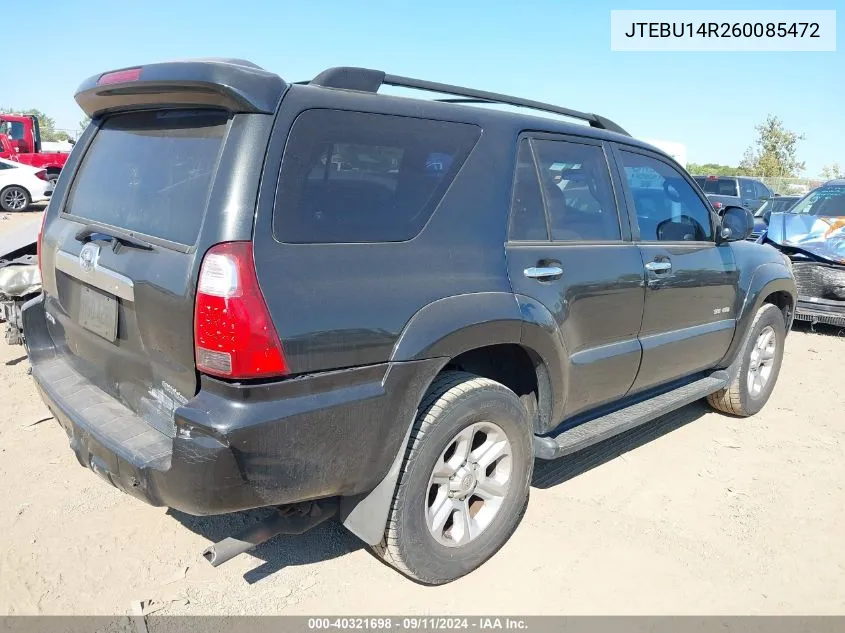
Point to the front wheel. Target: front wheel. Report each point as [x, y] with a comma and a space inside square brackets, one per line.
[760, 366]
[464, 482]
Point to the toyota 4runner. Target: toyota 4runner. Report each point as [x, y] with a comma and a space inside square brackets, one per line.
[327, 300]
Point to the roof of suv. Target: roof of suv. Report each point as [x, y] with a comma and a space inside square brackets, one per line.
[241, 86]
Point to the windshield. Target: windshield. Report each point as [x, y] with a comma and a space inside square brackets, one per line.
[828, 202]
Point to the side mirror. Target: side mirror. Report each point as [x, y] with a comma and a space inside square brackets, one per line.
[737, 224]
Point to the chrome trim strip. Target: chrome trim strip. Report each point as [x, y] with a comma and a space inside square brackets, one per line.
[99, 276]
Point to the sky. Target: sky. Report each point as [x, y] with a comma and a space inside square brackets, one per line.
[550, 50]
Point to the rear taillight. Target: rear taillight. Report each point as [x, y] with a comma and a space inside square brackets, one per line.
[38, 247]
[41, 174]
[717, 205]
[234, 336]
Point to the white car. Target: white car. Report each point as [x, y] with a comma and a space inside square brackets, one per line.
[21, 185]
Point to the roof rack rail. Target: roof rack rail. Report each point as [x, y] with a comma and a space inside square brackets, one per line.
[367, 80]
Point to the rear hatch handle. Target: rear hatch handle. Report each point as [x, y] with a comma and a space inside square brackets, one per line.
[90, 233]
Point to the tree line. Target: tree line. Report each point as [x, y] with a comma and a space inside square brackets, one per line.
[774, 153]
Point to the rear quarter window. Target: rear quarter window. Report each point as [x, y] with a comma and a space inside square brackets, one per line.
[358, 177]
[150, 172]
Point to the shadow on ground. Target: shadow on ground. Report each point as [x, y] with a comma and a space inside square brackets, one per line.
[331, 540]
[552, 473]
[326, 541]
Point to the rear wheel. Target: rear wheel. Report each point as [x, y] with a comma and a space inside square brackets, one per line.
[14, 198]
[464, 482]
[758, 372]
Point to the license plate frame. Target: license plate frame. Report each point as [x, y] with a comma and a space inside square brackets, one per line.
[98, 313]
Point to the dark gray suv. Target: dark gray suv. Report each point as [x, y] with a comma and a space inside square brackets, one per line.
[334, 302]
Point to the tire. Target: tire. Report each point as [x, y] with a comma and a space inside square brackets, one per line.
[740, 398]
[459, 410]
[14, 198]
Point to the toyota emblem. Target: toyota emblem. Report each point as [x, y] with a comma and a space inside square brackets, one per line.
[88, 256]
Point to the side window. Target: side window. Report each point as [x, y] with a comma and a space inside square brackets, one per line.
[748, 188]
[352, 177]
[579, 195]
[763, 192]
[17, 131]
[528, 219]
[668, 209]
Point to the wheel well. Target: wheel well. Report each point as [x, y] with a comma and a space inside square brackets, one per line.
[782, 300]
[516, 367]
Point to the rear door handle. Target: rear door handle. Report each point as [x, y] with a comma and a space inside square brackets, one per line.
[659, 267]
[544, 273]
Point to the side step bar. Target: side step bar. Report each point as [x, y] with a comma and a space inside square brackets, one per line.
[606, 426]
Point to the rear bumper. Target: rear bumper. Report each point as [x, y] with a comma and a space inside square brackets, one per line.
[236, 447]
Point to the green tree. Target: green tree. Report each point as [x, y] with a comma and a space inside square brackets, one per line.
[46, 124]
[830, 172]
[83, 123]
[715, 169]
[775, 152]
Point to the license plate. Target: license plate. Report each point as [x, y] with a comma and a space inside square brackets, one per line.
[98, 313]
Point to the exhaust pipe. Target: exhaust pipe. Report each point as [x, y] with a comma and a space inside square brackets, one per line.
[293, 519]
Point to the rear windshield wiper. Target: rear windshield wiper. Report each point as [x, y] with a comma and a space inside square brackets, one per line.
[115, 236]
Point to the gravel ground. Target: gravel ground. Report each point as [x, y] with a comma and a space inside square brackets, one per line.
[696, 513]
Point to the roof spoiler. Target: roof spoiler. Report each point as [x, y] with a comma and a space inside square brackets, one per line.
[232, 84]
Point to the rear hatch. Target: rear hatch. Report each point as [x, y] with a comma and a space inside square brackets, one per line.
[150, 191]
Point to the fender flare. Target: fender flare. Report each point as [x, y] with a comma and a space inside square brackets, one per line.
[454, 325]
[767, 278]
[441, 330]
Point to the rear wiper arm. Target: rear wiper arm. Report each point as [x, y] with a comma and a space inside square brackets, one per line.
[116, 236]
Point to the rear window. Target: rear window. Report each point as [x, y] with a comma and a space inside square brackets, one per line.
[150, 172]
[358, 177]
[720, 186]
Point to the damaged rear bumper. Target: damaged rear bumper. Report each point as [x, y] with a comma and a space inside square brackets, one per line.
[232, 446]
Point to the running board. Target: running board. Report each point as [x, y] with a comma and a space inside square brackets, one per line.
[606, 426]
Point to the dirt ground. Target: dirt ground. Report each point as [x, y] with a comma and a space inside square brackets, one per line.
[696, 513]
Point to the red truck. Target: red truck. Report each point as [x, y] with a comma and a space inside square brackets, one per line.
[20, 140]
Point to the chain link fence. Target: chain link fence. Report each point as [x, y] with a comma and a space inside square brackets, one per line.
[790, 186]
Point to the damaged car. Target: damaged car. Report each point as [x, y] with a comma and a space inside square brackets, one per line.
[812, 235]
[20, 277]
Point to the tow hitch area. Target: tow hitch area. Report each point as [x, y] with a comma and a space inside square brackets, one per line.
[293, 519]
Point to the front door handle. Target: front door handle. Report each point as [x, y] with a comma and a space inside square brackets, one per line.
[659, 267]
[543, 273]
